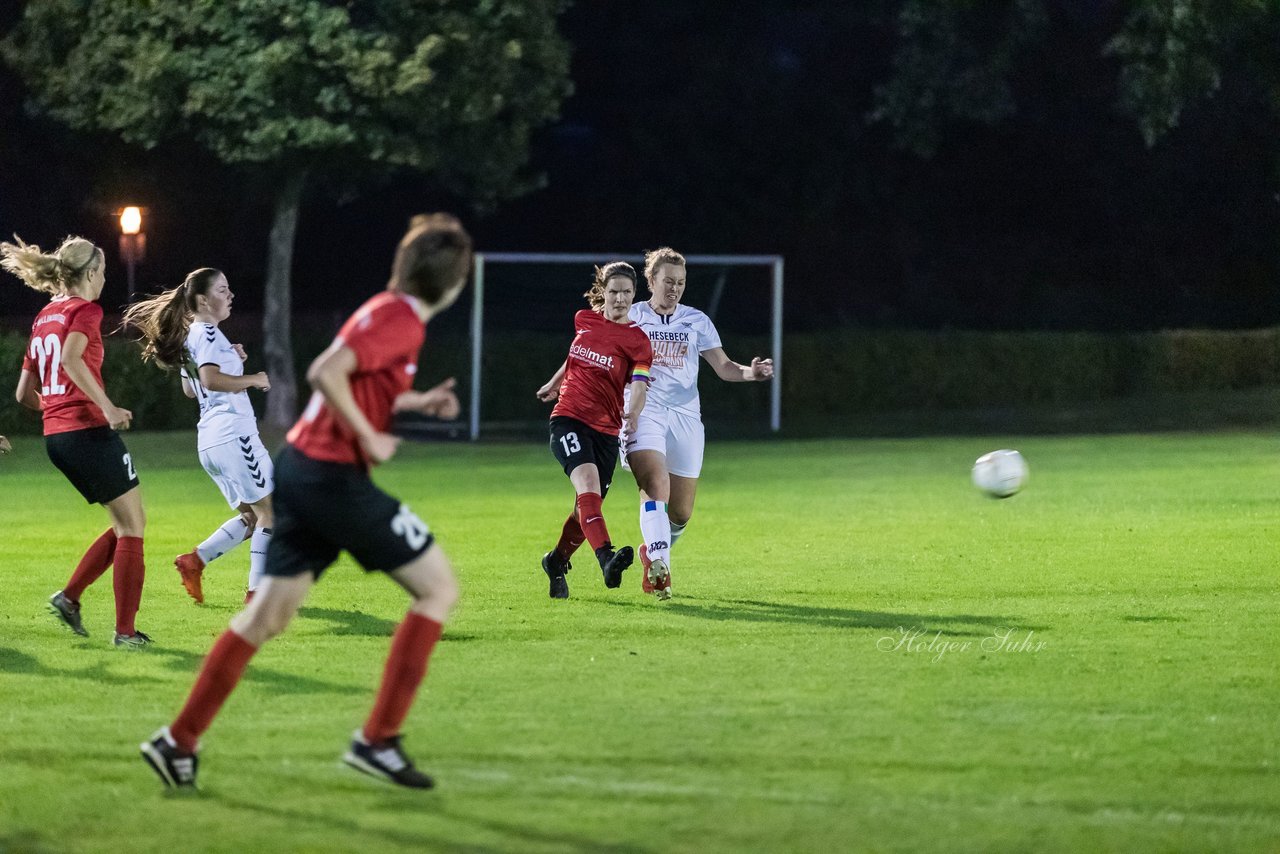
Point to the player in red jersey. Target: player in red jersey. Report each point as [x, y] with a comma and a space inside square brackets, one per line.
[324, 502]
[608, 352]
[62, 378]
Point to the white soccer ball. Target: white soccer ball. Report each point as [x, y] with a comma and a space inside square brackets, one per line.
[1000, 473]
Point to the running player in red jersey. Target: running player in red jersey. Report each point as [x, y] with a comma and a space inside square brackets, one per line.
[62, 378]
[608, 353]
[325, 502]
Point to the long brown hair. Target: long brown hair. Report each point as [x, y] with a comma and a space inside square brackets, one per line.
[595, 294]
[164, 319]
[51, 272]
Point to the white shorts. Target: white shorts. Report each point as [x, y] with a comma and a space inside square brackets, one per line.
[671, 432]
[242, 469]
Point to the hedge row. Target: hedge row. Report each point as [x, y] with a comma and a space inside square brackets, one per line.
[826, 375]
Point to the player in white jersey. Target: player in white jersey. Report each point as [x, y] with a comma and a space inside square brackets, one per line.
[665, 451]
[180, 328]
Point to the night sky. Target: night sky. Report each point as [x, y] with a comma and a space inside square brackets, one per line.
[745, 128]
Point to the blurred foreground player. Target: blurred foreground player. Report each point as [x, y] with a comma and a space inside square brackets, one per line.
[326, 502]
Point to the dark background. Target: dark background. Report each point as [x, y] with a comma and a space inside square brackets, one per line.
[744, 128]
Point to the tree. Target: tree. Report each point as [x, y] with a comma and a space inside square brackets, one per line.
[1173, 53]
[953, 63]
[306, 89]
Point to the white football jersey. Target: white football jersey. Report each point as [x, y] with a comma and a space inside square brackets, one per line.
[678, 341]
[224, 415]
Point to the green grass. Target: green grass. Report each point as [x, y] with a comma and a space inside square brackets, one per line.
[768, 707]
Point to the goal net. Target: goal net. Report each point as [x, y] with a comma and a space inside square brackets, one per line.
[520, 327]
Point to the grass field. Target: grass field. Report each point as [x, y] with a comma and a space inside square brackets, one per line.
[863, 654]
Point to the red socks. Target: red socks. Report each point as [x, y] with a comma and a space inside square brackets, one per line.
[406, 665]
[92, 565]
[591, 518]
[127, 582]
[218, 678]
[571, 537]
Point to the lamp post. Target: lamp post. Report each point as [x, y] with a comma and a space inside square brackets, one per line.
[133, 242]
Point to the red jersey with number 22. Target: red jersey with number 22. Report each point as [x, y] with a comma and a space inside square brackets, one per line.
[385, 335]
[63, 405]
[604, 357]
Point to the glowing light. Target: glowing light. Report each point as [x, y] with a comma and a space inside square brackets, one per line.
[131, 220]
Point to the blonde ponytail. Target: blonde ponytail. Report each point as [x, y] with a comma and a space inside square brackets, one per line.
[50, 272]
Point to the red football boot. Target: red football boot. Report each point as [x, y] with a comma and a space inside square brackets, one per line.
[190, 567]
[646, 585]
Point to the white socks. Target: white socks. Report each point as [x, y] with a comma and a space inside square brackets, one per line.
[676, 531]
[258, 556]
[231, 534]
[655, 530]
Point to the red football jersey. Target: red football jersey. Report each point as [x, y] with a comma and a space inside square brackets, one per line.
[386, 335]
[63, 405]
[604, 357]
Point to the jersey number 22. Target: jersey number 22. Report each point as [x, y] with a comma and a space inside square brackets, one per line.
[47, 352]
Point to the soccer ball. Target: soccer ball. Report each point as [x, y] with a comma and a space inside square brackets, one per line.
[1000, 473]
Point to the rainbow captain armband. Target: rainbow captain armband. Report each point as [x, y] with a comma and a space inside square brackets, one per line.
[640, 374]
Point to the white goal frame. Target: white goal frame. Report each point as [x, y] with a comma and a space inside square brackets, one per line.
[477, 309]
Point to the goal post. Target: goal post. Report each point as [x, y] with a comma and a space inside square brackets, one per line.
[483, 259]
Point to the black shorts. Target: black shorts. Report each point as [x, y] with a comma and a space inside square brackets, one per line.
[95, 461]
[322, 508]
[574, 443]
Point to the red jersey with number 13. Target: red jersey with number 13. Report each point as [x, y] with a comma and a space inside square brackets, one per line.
[63, 405]
[604, 357]
[385, 334]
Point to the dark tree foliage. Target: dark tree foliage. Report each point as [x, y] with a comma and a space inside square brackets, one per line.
[305, 89]
[1102, 164]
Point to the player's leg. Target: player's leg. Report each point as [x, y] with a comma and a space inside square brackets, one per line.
[129, 521]
[171, 752]
[65, 604]
[309, 505]
[680, 507]
[604, 450]
[231, 533]
[589, 507]
[96, 462]
[254, 482]
[685, 450]
[588, 504]
[375, 748]
[588, 458]
[190, 566]
[388, 536]
[650, 470]
[260, 540]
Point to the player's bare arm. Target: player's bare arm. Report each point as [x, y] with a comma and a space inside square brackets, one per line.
[330, 374]
[78, 372]
[440, 401]
[212, 377]
[26, 393]
[732, 372]
[639, 393]
[551, 390]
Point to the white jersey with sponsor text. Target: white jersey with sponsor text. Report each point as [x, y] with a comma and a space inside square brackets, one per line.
[224, 415]
[678, 341]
